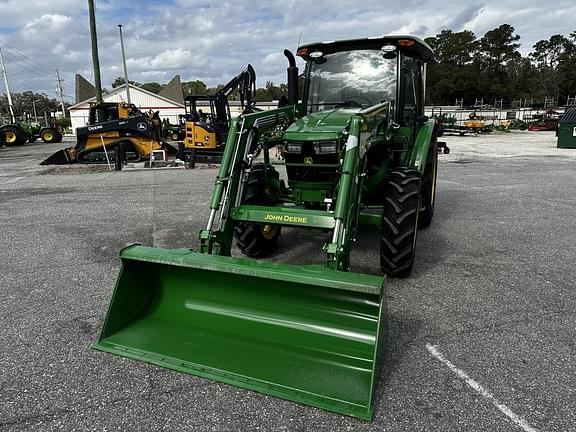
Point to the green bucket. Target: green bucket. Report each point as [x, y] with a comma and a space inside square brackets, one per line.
[303, 333]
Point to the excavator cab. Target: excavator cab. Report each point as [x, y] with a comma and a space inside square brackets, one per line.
[207, 120]
[208, 117]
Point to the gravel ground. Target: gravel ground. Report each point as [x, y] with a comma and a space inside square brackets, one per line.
[481, 335]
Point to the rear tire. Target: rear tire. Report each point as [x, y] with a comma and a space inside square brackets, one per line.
[429, 187]
[49, 136]
[400, 221]
[258, 240]
[13, 136]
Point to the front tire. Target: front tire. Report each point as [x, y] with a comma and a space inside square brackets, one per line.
[399, 222]
[258, 240]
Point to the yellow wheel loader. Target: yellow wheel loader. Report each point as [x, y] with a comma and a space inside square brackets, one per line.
[111, 126]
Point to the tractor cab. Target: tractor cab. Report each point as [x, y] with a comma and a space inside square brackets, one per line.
[362, 73]
[380, 79]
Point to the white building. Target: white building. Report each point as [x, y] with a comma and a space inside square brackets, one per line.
[169, 102]
[143, 99]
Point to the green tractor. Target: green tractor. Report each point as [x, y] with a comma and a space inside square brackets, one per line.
[20, 133]
[358, 151]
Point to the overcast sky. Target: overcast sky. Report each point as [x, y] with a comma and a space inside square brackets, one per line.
[212, 41]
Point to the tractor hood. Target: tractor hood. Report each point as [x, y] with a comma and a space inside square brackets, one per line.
[323, 125]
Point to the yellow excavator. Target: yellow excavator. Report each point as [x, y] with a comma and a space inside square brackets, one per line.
[208, 118]
[113, 125]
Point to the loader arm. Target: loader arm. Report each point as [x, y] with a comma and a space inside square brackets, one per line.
[241, 142]
[338, 250]
[364, 127]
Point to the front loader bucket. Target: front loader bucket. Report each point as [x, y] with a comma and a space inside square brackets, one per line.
[307, 334]
[61, 157]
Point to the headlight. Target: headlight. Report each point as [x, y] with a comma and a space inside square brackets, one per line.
[325, 147]
[291, 147]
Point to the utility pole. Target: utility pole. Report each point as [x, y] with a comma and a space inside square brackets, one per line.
[124, 63]
[95, 60]
[35, 114]
[60, 92]
[10, 106]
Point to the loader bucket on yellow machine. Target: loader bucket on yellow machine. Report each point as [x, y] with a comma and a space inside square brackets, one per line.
[303, 333]
[61, 157]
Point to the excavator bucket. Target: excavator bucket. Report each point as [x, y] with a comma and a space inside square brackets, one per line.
[303, 333]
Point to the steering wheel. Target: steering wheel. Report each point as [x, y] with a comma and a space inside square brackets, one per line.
[358, 100]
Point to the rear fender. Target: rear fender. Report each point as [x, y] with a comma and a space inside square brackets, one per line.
[419, 152]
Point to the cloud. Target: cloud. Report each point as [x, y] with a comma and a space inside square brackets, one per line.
[46, 24]
[213, 41]
[465, 16]
[16, 13]
[167, 59]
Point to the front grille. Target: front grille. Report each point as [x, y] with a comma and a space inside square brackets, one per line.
[312, 172]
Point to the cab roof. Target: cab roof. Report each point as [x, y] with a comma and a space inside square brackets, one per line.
[410, 45]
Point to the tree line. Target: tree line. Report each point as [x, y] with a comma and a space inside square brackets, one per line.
[469, 68]
[29, 104]
[492, 68]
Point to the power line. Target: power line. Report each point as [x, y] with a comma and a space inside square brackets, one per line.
[24, 62]
[51, 93]
[14, 53]
[28, 68]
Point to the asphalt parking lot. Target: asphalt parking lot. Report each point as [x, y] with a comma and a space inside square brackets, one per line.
[482, 335]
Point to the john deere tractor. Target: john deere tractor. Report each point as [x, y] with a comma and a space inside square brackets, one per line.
[20, 133]
[358, 151]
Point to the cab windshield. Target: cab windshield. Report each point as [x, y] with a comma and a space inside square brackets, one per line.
[353, 79]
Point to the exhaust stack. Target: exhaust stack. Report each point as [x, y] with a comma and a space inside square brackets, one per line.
[292, 72]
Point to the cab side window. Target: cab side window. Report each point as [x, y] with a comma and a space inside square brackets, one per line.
[412, 91]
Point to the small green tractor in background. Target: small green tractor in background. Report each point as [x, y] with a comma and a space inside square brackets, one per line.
[174, 132]
[358, 151]
[20, 133]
